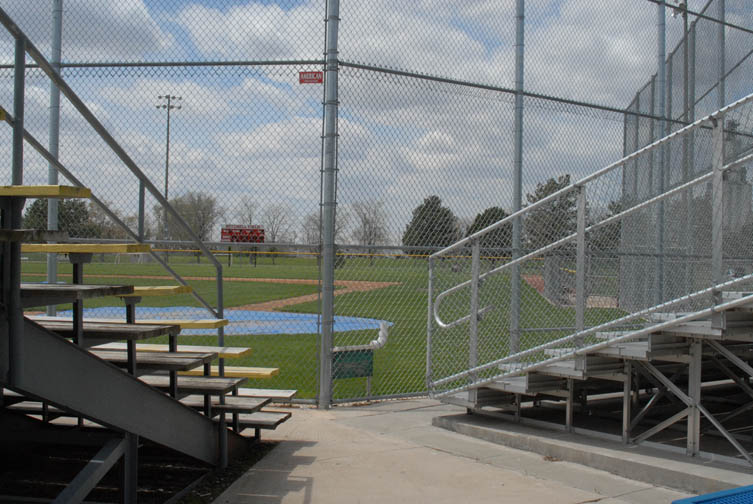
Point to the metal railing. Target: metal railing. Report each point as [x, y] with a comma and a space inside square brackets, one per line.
[461, 358]
[23, 47]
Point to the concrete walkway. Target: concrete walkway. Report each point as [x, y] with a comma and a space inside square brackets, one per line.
[389, 452]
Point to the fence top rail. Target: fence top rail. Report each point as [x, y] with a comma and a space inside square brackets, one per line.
[599, 173]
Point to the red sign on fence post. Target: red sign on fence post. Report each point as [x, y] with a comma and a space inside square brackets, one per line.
[310, 77]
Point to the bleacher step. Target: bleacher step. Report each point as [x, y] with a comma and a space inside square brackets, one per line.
[34, 408]
[39, 294]
[31, 235]
[108, 330]
[276, 395]
[87, 248]
[45, 191]
[261, 419]
[153, 361]
[523, 385]
[182, 323]
[238, 372]
[233, 404]
[195, 384]
[159, 290]
[222, 352]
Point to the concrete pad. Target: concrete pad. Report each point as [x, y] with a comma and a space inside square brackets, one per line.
[340, 464]
[636, 463]
[390, 452]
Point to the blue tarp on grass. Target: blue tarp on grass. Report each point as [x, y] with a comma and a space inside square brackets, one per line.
[240, 321]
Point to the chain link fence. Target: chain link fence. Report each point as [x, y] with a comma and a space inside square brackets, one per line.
[425, 157]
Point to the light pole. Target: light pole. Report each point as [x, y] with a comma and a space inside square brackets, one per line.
[168, 106]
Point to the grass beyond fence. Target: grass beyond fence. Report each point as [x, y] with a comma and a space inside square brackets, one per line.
[399, 367]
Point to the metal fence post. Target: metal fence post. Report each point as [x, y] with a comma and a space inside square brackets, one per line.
[473, 339]
[722, 53]
[17, 161]
[54, 134]
[329, 167]
[717, 215]
[691, 161]
[580, 272]
[518, 177]
[142, 203]
[429, 327]
[661, 90]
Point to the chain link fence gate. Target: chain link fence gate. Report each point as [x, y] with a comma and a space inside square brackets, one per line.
[425, 152]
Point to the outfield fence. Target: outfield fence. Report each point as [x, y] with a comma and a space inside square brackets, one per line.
[365, 136]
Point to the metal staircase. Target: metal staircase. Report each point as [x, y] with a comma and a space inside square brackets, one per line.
[49, 370]
[499, 341]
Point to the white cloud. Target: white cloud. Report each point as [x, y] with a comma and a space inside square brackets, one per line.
[196, 99]
[92, 29]
[255, 31]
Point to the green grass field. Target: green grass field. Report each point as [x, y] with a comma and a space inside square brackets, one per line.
[399, 367]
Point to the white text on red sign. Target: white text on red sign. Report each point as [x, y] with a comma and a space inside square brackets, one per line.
[310, 77]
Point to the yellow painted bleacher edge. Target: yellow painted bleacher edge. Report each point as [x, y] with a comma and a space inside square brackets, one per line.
[184, 324]
[159, 290]
[189, 324]
[45, 191]
[236, 372]
[222, 352]
[93, 248]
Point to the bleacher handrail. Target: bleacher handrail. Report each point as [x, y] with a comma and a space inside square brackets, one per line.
[515, 360]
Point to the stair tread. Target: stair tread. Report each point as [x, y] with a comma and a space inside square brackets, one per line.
[274, 394]
[87, 248]
[31, 235]
[45, 191]
[562, 369]
[235, 404]
[108, 330]
[238, 371]
[222, 352]
[159, 290]
[39, 294]
[33, 407]
[611, 334]
[182, 323]
[156, 361]
[195, 384]
[262, 419]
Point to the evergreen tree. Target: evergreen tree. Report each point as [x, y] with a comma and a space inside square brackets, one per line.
[432, 225]
[73, 218]
[554, 220]
[500, 238]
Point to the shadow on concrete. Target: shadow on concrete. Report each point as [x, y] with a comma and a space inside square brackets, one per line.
[270, 480]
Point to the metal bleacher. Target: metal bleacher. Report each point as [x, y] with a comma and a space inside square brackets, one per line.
[673, 369]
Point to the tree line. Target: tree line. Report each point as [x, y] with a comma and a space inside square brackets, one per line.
[432, 225]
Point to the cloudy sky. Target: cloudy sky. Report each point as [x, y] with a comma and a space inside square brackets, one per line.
[253, 132]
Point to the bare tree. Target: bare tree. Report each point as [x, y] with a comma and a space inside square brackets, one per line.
[277, 223]
[312, 226]
[199, 210]
[276, 220]
[311, 229]
[371, 225]
[248, 212]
